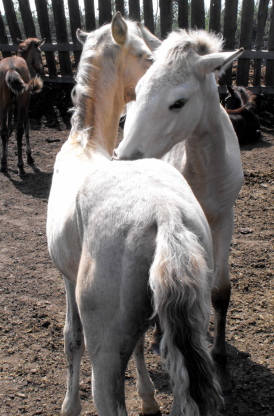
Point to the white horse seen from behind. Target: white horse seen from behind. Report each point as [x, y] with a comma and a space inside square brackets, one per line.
[131, 241]
[177, 110]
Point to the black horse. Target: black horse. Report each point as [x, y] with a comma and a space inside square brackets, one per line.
[240, 106]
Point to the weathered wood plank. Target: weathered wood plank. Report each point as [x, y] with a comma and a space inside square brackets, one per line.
[148, 14]
[183, 14]
[134, 10]
[120, 6]
[90, 15]
[166, 12]
[262, 16]
[215, 16]
[245, 40]
[3, 37]
[229, 32]
[61, 35]
[12, 20]
[43, 20]
[104, 12]
[75, 23]
[198, 14]
[269, 73]
[27, 18]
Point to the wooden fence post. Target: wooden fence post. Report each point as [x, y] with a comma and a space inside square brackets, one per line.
[215, 16]
[230, 26]
[3, 37]
[104, 12]
[43, 20]
[183, 14]
[245, 41]
[269, 74]
[148, 15]
[262, 15]
[12, 21]
[27, 18]
[134, 10]
[198, 14]
[90, 15]
[62, 36]
[120, 6]
[166, 11]
[75, 23]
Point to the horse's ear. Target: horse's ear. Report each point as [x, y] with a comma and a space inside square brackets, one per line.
[217, 62]
[81, 35]
[230, 89]
[41, 42]
[151, 40]
[119, 29]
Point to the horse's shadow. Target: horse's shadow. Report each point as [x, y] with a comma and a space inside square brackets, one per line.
[252, 385]
[36, 183]
[261, 142]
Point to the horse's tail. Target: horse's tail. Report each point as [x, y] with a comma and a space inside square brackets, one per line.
[180, 287]
[17, 85]
[35, 85]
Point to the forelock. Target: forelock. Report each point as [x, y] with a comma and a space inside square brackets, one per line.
[174, 49]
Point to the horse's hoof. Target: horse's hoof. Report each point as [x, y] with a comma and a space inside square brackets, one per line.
[21, 173]
[30, 160]
[155, 346]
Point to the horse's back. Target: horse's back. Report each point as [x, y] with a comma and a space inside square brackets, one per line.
[122, 206]
[121, 209]
[15, 63]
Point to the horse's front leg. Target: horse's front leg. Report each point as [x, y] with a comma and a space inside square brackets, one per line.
[145, 387]
[74, 349]
[222, 235]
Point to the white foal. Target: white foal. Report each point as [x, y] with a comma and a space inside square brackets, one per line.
[131, 240]
[177, 110]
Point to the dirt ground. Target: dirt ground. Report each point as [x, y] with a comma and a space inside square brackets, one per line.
[32, 307]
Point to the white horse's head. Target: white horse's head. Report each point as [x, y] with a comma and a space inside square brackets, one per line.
[172, 96]
[126, 44]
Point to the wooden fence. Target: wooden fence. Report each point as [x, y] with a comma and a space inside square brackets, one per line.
[57, 21]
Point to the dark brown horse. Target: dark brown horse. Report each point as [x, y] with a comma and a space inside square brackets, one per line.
[16, 85]
[240, 106]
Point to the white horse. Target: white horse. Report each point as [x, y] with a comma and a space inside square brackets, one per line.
[131, 241]
[177, 104]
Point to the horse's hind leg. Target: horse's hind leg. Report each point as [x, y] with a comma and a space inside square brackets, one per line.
[30, 159]
[19, 137]
[220, 300]
[5, 139]
[145, 386]
[10, 119]
[74, 348]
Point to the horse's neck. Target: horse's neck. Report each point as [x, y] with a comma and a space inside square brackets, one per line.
[100, 118]
[211, 154]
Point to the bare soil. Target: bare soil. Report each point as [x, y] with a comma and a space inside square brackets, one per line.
[32, 307]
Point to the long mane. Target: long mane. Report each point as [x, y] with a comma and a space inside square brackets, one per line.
[82, 94]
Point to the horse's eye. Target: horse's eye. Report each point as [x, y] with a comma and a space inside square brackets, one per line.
[178, 104]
